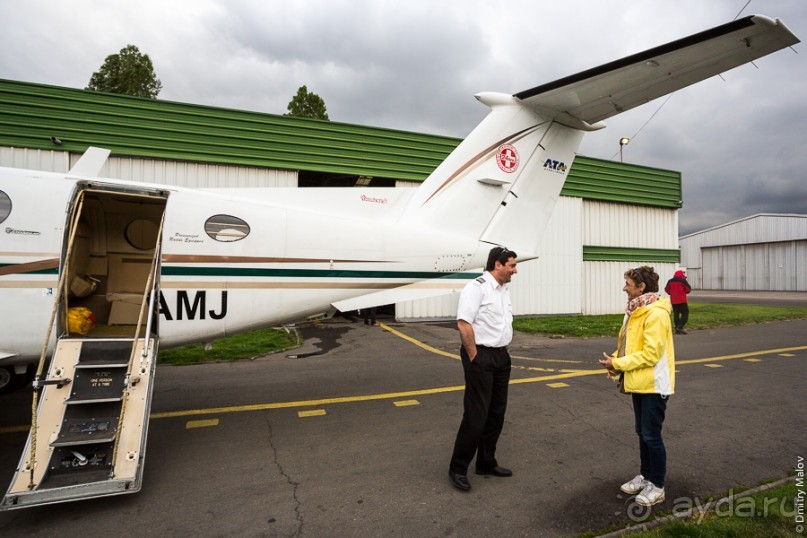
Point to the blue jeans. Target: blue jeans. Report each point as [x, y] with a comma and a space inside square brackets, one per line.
[649, 411]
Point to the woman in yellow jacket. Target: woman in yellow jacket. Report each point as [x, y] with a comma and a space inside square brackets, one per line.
[645, 362]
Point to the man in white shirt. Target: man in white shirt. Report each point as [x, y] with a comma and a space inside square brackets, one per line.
[485, 322]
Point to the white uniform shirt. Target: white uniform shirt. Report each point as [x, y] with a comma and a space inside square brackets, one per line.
[485, 304]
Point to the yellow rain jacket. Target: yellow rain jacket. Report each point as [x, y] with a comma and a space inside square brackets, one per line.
[646, 344]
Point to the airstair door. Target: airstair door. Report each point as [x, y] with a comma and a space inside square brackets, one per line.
[89, 436]
[91, 410]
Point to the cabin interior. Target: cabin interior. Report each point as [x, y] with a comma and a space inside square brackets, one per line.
[116, 241]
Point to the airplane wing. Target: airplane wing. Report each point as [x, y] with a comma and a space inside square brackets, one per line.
[409, 292]
[582, 100]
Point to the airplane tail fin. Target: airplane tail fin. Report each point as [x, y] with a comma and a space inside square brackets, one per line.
[501, 183]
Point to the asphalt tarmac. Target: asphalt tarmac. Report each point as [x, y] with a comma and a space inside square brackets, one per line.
[351, 436]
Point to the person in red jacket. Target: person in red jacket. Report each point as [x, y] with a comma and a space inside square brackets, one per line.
[677, 288]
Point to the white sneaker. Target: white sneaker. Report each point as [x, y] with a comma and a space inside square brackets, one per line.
[650, 495]
[636, 485]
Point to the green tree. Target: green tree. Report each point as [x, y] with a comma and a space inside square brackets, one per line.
[307, 105]
[129, 72]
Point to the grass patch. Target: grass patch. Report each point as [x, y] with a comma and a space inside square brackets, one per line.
[701, 316]
[232, 348]
[770, 513]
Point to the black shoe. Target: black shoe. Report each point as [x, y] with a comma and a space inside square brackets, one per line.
[460, 481]
[495, 471]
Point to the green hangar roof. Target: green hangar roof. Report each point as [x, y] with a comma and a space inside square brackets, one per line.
[30, 114]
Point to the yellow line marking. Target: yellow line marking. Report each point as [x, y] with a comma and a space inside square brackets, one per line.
[786, 355]
[752, 360]
[409, 394]
[201, 423]
[418, 343]
[557, 385]
[431, 349]
[743, 355]
[545, 360]
[406, 403]
[714, 365]
[312, 413]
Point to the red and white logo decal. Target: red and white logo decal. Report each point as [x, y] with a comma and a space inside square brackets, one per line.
[507, 158]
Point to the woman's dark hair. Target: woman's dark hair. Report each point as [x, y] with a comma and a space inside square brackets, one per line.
[644, 274]
[499, 254]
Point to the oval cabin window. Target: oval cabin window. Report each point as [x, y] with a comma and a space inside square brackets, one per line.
[5, 206]
[226, 228]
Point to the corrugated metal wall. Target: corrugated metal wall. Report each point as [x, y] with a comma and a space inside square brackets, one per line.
[603, 282]
[598, 179]
[758, 267]
[32, 114]
[183, 174]
[764, 252]
[35, 159]
[623, 225]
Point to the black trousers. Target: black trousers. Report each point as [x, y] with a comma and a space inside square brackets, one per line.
[486, 381]
[680, 315]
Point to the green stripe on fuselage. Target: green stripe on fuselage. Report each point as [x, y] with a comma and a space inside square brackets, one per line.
[305, 273]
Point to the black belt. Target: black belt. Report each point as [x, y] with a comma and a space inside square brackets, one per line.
[489, 347]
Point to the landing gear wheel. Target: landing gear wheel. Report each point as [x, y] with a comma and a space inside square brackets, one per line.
[10, 380]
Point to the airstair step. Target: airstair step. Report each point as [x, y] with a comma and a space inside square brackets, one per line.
[105, 351]
[97, 383]
[83, 431]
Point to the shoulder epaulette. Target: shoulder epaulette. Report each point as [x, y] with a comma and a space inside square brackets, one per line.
[480, 279]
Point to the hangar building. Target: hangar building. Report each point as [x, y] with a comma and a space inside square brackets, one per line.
[610, 216]
[765, 252]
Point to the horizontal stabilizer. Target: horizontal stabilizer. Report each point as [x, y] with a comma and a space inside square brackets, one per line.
[411, 292]
[599, 93]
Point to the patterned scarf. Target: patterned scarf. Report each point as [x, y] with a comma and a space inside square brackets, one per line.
[640, 301]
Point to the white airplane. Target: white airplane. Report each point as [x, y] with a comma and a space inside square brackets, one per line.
[161, 265]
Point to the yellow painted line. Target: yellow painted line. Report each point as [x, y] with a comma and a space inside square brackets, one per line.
[786, 355]
[312, 413]
[409, 394]
[742, 355]
[431, 349]
[418, 343]
[545, 360]
[752, 360]
[714, 365]
[406, 403]
[557, 385]
[201, 423]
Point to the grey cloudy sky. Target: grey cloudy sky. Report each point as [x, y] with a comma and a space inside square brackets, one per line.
[741, 143]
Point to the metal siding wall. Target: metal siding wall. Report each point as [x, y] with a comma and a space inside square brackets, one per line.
[603, 282]
[194, 175]
[623, 225]
[549, 284]
[182, 174]
[536, 288]
[34, 159]
[156, 129]
[762, 267]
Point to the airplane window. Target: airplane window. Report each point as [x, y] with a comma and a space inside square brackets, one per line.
[5, 206]
[141, 234]
[226, 228]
